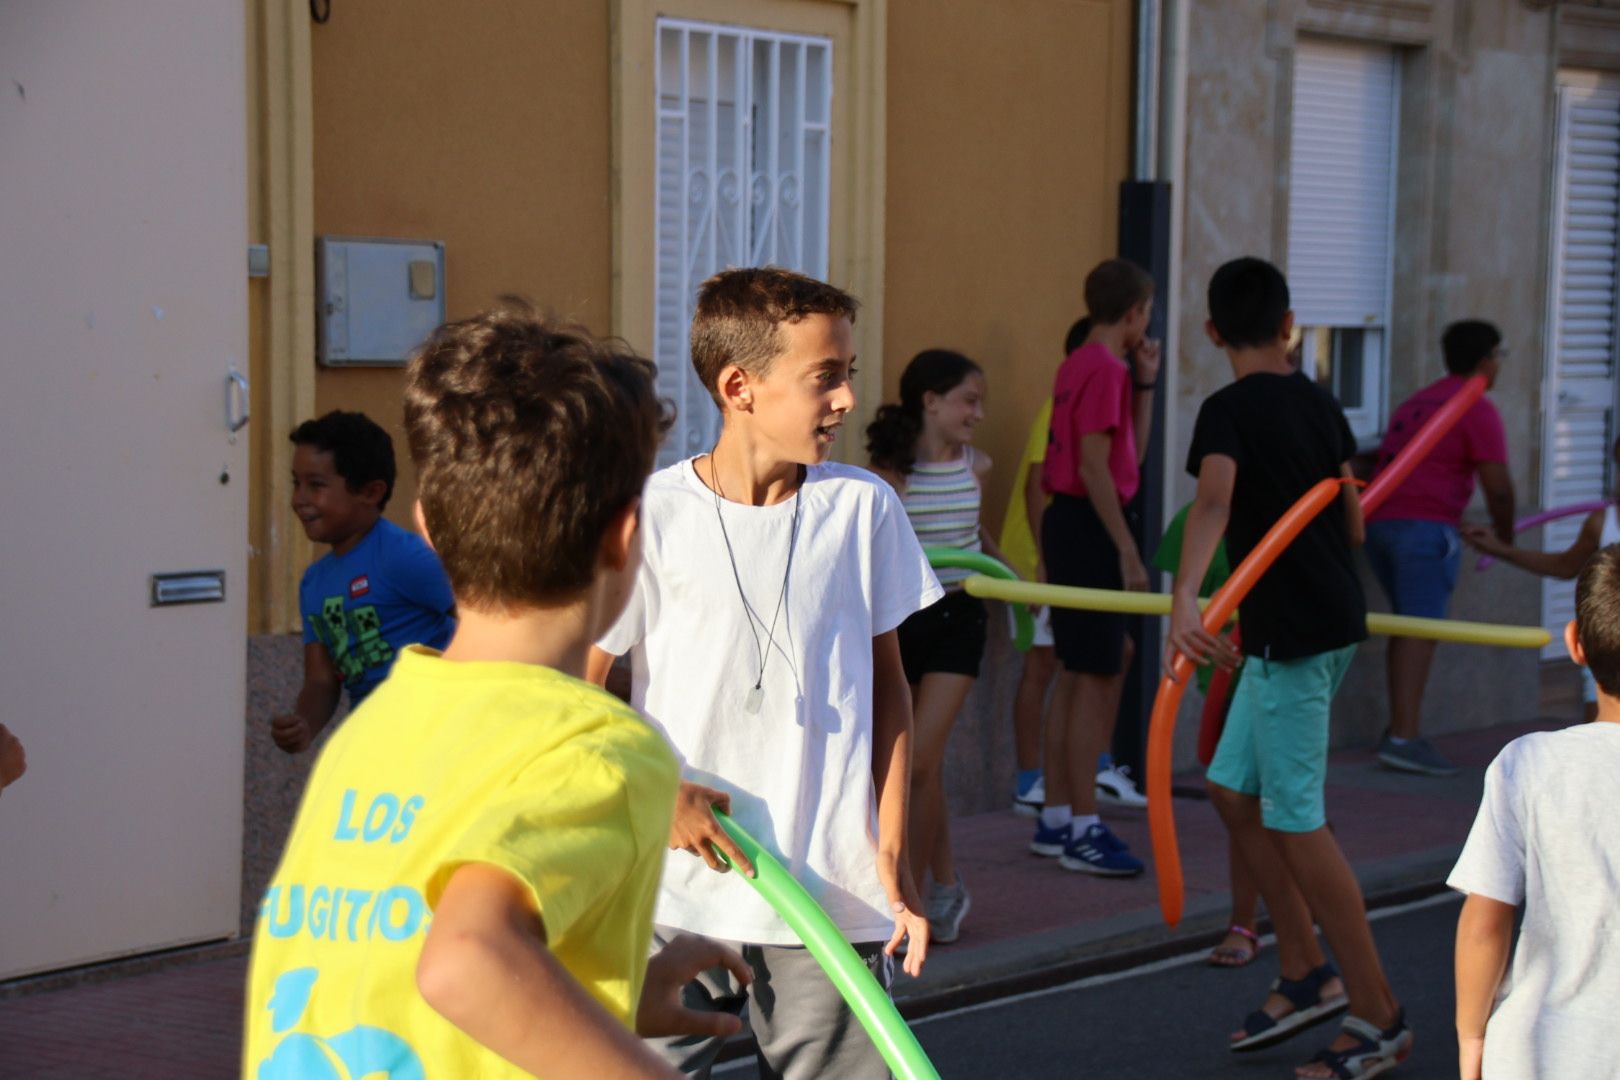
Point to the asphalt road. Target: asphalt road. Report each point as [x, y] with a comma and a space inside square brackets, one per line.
[1169, 1019]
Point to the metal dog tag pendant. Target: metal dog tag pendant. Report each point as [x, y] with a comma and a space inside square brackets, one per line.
[755, 699]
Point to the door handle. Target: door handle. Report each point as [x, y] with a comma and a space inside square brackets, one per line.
[237, 407]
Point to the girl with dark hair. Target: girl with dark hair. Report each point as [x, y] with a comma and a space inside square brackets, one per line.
[923, 446]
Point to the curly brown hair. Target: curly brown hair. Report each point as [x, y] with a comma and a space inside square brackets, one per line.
[740, 313]
[529, 435]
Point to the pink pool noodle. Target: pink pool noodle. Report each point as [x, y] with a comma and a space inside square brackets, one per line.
[1541, 517]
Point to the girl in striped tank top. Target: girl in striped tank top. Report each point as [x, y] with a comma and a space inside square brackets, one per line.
[923, 447]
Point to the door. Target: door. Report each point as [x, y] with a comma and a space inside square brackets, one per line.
[123, 297]
[1579, 391]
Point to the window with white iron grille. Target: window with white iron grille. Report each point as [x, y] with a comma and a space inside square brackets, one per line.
[743, 160]
[1341, 219]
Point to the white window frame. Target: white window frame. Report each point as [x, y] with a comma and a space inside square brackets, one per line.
[1579, 404]
[1325, 322]
[753, 207]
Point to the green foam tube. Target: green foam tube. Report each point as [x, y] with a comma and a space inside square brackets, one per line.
[980, 563]
[837, 958]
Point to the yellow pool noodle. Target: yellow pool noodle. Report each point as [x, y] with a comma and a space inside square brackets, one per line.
[1146, 603]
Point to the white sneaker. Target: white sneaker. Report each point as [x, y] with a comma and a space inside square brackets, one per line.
[1028, 803]
[1115, 786]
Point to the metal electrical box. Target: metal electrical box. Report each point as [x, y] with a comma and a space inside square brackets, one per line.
[378, 298]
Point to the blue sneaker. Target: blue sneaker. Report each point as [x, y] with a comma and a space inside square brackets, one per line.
[1050, 842]
[1099, 851]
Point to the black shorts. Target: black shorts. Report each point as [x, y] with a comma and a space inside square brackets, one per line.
[946, 637]
[1079, 551]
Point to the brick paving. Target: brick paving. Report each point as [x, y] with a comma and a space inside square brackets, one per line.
[185, 1021]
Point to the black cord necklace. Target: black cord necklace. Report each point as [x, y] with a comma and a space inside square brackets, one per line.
[756, 696]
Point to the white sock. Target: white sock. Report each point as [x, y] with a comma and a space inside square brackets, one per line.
[1055, 817]
[1082, 822]
[1398, 741]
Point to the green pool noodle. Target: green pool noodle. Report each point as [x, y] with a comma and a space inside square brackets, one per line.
[941, 558]
[848, 972]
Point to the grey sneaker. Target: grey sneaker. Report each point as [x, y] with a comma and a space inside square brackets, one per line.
[947, 906]
[1414, 756]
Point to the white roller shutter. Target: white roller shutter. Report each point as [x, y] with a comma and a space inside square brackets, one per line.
[1342, 183]
[1580, 387]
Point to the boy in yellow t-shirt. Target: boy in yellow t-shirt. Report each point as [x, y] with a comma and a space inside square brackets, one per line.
[468, 887]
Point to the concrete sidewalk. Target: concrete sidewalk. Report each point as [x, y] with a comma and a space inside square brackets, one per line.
[1032, 923]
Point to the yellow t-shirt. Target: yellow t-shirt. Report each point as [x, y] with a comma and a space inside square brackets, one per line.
[550, 778]
[1018, 544]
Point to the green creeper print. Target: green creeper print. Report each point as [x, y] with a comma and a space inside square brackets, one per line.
[354, 637]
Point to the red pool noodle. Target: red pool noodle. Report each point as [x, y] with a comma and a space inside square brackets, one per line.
[1212, 721]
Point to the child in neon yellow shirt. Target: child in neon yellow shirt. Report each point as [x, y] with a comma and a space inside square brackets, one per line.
[468, 887]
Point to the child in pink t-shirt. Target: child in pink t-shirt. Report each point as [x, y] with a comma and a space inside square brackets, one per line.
[1100, 415]
[1413, 540]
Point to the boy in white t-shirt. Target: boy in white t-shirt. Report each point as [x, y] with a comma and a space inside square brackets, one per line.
[762, 641]
[1547, 838]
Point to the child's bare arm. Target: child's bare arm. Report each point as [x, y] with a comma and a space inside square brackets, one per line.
[1484, 936]
[13, 762]
[1094, 450]
[1497, 484]
[1206, 524]
[1034, 509]
[1145, 378]
[317, 701]
[597, 665]
[1355, 523]
[485, 968]
[891, 777]
[1556, 564]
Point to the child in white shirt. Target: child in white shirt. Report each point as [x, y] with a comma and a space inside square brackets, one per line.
[762, 641]
[1547, 838]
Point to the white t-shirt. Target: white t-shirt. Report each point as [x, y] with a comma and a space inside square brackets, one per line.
[799, 771]
[1548, 836]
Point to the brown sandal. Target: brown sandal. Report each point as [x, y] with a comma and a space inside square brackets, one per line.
[1235, 956]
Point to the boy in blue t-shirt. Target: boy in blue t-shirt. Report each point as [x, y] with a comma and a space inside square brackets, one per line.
[380, 589]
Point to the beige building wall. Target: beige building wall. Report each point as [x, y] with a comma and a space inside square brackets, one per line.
[485, 126]
[1008, 136]
[1473, 198]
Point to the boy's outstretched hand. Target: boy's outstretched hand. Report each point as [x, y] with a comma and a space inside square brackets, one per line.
[687, 956]
[13, 762]
[693, 828]
[1483, 538]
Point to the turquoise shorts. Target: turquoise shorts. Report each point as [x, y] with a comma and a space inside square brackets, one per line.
[1276, 737]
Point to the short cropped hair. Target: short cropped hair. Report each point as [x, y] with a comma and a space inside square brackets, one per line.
[361, 450]
[1248, 301]
[1466, 344]
[740, 313]
[1113, 287]
[529, 435]
[1597, 617]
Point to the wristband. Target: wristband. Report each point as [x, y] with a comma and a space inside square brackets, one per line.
[1154, 385]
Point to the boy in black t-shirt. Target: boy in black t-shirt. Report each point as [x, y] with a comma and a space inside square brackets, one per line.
[1258, 445]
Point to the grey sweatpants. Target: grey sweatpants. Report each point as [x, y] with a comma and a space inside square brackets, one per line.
[804, 1028]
